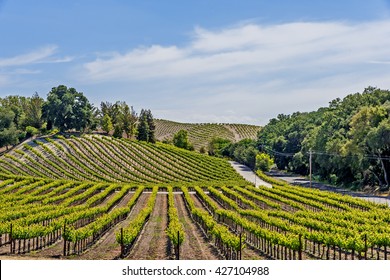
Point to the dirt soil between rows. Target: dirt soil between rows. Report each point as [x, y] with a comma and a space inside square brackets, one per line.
[195, 245]
[152, 243]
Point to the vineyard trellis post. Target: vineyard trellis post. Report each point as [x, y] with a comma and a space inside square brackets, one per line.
[178, 246]
[240, 245]
[300, 247]
[63, 236]
[122, 246]
[365, 246]
[10, 238]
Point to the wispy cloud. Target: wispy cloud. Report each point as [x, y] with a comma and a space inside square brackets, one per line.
[13, 69]
[254, 70]
[42, 55]
[379, 62]
[251, 49]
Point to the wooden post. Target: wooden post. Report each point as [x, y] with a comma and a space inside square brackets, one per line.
[178, 246]
[365, 246]
[300, 247]
[10, 238]
[240, 245]
[63, 233]
[122, 246]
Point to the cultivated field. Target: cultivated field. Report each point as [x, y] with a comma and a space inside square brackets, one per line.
[101, 198]
[201, 134]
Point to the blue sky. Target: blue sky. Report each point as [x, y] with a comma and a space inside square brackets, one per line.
[197, 61]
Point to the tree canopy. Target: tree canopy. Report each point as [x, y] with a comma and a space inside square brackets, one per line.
[8, 131]
[68, 109]
[180, 140]
[349, 139]
[146, 127]
[120, 117]
[18, 116]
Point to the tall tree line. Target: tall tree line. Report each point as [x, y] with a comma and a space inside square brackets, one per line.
[66, 109]
[349, 140]
[146, 127]
[19, 116]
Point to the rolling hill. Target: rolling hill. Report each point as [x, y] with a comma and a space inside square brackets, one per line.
[97, 197]
[101, 158]
[201, 134]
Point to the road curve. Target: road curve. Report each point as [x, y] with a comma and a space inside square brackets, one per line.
[249, 175]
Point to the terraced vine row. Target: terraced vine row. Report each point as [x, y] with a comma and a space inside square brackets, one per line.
[39, 212]
[74, 192]
[328, 233]
[201, 134]
[96, 158]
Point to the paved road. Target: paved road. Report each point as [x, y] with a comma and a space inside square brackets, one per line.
[248, 174]
[302, 181]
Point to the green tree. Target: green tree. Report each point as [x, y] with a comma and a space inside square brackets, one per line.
[18, 106]
[151, 125]
[349, 138]
[8, 132]
[112, 110]
[117, 131]
[107, 124]
[370, 134]
[31, 131]
[128, 119]
[146, 127]
[143, 128]
[33, 111]
[180, 139]
[243, 152]
[68, 109]
[217, 146]
[123, 117]
[263, 162]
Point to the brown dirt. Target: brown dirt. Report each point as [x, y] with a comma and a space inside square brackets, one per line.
[235, 133]
[153, 241]
[248, 253]
[195, 245]
[101, 250]
[107, 248]
[198, 203]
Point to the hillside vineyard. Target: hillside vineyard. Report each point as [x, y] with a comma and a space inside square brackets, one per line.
[200, 135]
[97, 197]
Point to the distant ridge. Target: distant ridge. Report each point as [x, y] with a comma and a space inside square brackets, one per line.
[200, 134]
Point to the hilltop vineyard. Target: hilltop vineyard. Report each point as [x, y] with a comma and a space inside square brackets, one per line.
[200, 135]
[97, 197]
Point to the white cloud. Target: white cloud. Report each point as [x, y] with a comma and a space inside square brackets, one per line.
[253, 70]
[29, 58]
[42, 55]
[252, 49]
[24, 71]
[14, 69]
